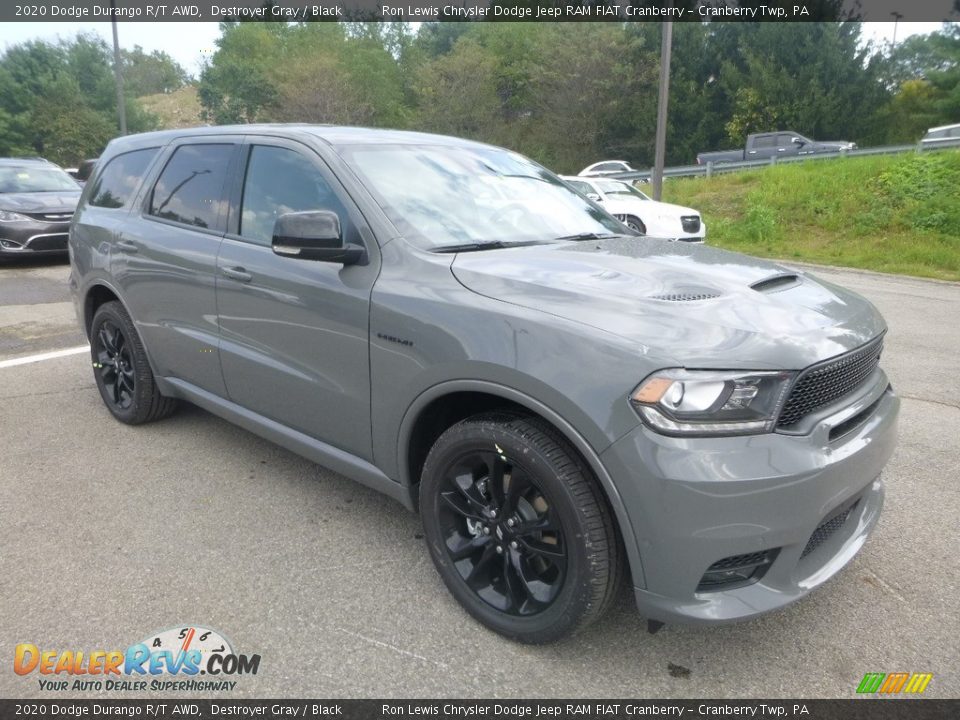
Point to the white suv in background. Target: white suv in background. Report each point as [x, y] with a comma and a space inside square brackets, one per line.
[607, 167]
[637, 211]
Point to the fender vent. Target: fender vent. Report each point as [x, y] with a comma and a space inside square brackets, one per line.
[775, 283]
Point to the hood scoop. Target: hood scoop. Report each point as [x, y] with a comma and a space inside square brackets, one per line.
[687, 294]
[776, 283]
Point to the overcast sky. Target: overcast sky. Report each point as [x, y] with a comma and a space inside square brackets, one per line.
[189, 43]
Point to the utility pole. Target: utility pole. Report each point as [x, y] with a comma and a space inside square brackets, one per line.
[118, 73]
[661, 139]
[897, 17]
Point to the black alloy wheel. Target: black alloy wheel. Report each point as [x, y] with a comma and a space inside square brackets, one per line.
[122, 370]
[115, 365]
[501, 534]
[518, 527]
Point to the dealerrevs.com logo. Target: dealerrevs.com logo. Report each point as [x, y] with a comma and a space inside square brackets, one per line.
[170, 660]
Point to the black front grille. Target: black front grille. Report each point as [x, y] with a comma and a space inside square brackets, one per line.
[823, 384]
[691, 223]
[826, 529]
[49, 242]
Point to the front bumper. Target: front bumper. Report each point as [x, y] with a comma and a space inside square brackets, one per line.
[695, 501]
[34, 238]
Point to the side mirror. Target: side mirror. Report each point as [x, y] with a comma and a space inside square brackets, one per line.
[797, 141]
[313, 235]
[594, 197]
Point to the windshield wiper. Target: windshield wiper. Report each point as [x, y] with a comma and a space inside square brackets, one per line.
[587, 236]
[488, 245]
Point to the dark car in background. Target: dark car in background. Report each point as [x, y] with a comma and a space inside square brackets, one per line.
[37, 202]
[82, 173]
[783, 143]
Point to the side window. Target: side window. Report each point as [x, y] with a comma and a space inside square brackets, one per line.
[280, 181]
[190, 188]
[119, 180]
[783, 140]
[764, 141]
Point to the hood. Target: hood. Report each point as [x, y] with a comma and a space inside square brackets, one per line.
[671, 209]
[691, 305]
[41, 202]
[646, 207]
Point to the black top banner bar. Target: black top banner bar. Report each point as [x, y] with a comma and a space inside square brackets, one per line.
[480, 10]
[192, 709]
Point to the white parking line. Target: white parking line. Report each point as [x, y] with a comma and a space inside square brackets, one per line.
[44, 356]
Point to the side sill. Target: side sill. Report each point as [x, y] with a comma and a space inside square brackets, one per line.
[319, 452]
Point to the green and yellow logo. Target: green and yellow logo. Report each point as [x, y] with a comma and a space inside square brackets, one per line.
[894, 683]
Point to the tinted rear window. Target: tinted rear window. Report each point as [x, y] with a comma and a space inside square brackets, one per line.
[190, 188]
[119, 180]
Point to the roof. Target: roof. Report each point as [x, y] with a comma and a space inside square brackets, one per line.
[334, 135]
[944, 127]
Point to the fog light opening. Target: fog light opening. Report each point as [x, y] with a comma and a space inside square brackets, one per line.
[737, 571]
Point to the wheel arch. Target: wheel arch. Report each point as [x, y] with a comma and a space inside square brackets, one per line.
[99, 293]
[443, 405]
[96, 295]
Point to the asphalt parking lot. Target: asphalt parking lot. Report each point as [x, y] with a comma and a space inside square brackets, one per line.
[109, 533]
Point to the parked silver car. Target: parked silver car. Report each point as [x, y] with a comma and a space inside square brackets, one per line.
[564, 402]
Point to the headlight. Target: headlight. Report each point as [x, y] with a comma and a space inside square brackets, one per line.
[711, 402]
[7, 216]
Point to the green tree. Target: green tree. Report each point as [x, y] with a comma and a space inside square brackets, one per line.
[58, 99]
[151, 73]
[458, 93]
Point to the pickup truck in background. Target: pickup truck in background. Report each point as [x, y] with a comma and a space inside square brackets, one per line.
[761, 146]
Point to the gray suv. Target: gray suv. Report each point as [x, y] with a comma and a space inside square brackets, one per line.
[565, 403]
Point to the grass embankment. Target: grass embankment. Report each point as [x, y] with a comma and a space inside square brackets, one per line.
[178, 109]
[894, 214]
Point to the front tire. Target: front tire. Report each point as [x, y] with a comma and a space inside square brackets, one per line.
[121, 368]
[636, 224]
[518, 528]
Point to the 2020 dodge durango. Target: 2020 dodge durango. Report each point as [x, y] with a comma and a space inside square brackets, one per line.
[565, 403]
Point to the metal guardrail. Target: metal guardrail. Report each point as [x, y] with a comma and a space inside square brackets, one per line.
[711, 168]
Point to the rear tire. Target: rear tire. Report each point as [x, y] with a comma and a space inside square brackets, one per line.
[121, 368]
[518, 528]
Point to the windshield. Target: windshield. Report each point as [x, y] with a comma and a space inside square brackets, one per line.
[442, 196]
[614, 187]
[30, 178]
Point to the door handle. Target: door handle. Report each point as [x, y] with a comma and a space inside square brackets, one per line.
[237, 273]
[127, 246]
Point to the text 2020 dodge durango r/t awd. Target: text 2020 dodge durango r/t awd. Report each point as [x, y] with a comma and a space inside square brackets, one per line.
[563, 401]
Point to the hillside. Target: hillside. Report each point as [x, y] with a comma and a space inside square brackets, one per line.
[896, 214]
[178, 109]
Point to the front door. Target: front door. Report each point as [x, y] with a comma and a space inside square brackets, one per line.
[294, 332]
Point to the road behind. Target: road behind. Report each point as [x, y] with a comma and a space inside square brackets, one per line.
[110, 533]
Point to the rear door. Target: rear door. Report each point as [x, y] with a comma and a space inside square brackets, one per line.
[294, 332]
[165, 258]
